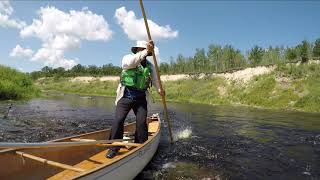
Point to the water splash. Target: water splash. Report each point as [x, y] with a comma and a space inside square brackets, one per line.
[184, 134]
[169, 165]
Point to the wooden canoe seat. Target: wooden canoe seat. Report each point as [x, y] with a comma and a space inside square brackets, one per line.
[153, 126]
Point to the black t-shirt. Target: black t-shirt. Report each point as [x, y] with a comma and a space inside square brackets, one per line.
[133, 93]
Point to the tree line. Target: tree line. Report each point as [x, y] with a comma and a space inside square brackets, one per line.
[216, 58]
[224, 58]
[78, 70]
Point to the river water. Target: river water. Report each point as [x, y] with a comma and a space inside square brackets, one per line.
[211, 142]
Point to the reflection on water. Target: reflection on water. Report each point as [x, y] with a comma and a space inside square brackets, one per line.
[213, 142]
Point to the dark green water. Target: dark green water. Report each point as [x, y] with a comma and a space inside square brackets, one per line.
[212, 142]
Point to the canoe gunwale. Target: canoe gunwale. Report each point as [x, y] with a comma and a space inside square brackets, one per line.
[64, 138]
[130, 153]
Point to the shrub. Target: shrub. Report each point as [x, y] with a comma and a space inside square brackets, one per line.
[15, 84]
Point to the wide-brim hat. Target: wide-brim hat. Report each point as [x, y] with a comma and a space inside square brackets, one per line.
[140, 44]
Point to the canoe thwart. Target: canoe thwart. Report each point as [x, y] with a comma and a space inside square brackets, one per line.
[113, 144]
[52, 163]
[57, 144]
[125, 144]
[82, 140]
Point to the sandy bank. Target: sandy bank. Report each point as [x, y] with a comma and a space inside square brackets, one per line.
[242, 75]
[246, 74]
[87, 79]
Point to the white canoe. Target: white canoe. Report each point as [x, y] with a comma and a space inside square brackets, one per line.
[81, 162]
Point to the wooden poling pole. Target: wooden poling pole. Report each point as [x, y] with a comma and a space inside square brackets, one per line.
[157, 70]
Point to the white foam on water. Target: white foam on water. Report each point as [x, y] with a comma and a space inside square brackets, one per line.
[169, 165]
[184, 134]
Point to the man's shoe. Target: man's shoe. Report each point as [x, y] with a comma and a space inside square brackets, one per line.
[111, 153]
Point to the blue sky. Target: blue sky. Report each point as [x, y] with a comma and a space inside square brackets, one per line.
[197, 23]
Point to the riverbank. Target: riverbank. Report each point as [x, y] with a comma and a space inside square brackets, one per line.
[287, 87]
[15, 85]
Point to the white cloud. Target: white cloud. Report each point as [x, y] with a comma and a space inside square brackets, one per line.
[61, 31]
[79, 24]
[135, 28]
[5, 20]
[63, 42]
[19, 52]
[157, 53]
[53, 57]
[5, 8]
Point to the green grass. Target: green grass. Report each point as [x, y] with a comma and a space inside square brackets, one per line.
[97, 88]
[265, 91]
[289, 87]
[196, 91]
[306, 79]
[15, 84]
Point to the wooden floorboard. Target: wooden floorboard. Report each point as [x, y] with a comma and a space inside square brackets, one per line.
[91, 163]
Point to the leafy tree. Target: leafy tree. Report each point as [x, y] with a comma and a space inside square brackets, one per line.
[214, 55]
[47, 71]
[93, 70]
[291, 54]
[200, 59]
[255, 55]
[77, 70]
[180, 63]
[59, 72]
[164, 68]
[304, 51]
[271, 55]
[316, 48]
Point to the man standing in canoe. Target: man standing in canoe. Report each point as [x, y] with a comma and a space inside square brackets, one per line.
[132, 93]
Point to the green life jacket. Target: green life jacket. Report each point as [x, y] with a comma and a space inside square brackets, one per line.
[139, 77]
